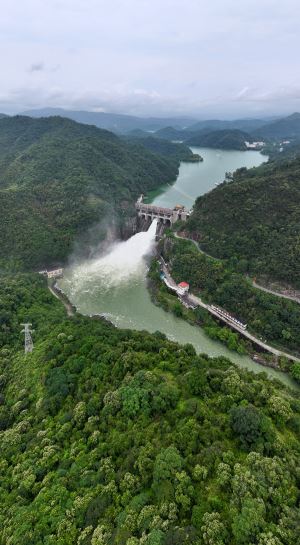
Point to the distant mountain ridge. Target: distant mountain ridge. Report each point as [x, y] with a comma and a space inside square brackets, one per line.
[185, 129]
[246, 125]
[120, 123]
[233, 134]
[287, 127]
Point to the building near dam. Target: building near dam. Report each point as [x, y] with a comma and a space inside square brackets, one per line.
[55, 273]
[183, 288]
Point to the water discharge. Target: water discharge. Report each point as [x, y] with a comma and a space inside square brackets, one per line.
[123, 263]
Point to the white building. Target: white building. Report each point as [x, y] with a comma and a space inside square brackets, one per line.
[254, 145]
[183, 288]
[56, 273]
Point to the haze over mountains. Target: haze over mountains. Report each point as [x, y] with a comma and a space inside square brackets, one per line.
[185, 129]
[114, 122]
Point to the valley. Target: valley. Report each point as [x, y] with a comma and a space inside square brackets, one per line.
[116, 286]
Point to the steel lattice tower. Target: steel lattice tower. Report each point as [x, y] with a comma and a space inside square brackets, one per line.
[28, 345]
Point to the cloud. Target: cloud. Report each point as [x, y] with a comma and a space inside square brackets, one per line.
[279, 94]
[36, 67]
[151, 57]
[243, 93]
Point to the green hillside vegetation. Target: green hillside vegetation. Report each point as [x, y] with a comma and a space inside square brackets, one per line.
[177, 151]
[222, 283]
[228, 139]
[57, 178]
[287, 127]
[112, 437]
[255, 219]
[223, 139]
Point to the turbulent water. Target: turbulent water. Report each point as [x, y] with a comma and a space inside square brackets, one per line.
[124, 262]
[115, 279]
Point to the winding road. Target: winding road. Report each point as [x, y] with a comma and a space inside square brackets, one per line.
[293, 298]
[198, 301]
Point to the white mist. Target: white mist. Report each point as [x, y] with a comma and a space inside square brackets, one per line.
[120, 265]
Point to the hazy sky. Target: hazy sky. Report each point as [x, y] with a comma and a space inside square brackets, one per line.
[206, 58]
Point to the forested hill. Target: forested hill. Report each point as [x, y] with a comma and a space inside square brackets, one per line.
[222, 139]
[118, 437]
[287, 127]
[58, 177]
[254, 219]
[177, 151]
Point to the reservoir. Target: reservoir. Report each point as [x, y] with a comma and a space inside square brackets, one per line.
[114, 284]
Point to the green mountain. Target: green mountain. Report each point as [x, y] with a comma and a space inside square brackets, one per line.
[137, 133]
[58, 177]
[285, 128]
[246, 125]
[163, 147]
[119, 123]
[170, 133]
[255, 219]
[221, 139]
[117, 437]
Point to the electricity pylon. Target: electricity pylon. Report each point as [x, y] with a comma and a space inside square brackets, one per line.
[28, 345]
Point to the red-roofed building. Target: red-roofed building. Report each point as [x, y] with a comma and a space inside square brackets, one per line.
[182, 288]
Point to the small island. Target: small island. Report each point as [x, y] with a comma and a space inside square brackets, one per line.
[194, 158]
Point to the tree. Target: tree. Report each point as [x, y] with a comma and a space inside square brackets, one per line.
[249, 425]
[249, 521]
[296, 371]
[168, 462]
[213, 530]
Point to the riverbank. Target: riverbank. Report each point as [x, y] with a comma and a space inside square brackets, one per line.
[201, 320]
[192, 300]
[227, 287]
[59, 294]
[182, 258]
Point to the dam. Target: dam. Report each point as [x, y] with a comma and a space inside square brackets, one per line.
[163, 215]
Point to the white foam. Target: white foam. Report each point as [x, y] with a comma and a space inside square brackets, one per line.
[123, 262]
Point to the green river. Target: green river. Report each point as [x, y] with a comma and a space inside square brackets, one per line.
[114, 284]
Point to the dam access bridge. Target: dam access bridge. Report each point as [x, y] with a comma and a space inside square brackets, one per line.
[165, 216]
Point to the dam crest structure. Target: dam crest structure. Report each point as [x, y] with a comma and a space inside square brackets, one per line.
[165, 216]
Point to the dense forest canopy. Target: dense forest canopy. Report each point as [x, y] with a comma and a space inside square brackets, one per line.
[256, 219]
[58, 177]
[118, 437]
